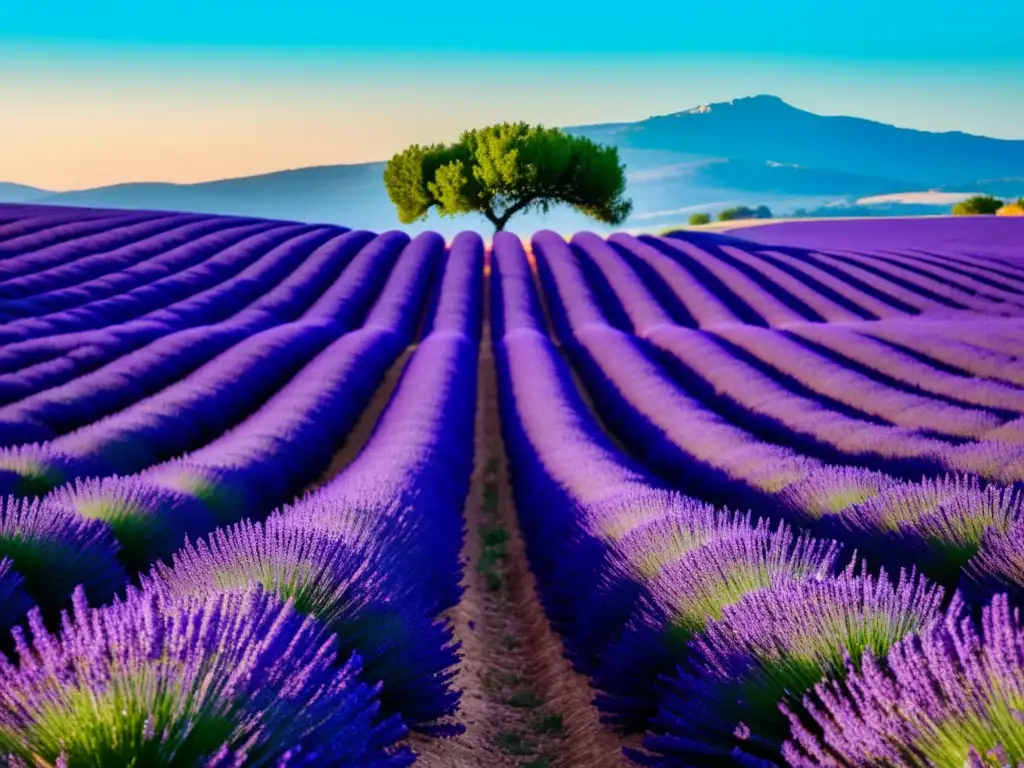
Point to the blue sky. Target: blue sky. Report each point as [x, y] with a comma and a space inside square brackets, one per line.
[195, 89]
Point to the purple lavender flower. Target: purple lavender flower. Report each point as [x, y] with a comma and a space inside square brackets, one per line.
[232, 679]
[34, 470]
[940, 521]
[55, 550]
[689, 592]
[14, 603]
[363, 594]
[772, 646]
[999, 563]
[150, 522]
[220, 489]
[681, 528]
[949, 697]
[831, 490]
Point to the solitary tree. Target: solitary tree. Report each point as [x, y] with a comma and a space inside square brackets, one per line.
[507, 168]
[697, 219]
[977, 205]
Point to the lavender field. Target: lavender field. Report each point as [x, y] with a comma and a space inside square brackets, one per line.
[282, 494]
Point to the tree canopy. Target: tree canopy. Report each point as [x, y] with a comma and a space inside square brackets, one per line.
[696, 219]
[977, 205]
[507, 168]
[744, 212]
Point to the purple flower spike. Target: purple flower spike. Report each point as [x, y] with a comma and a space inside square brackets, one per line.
[365, 597]
[832, 490]
[14, 603]
[662, 541]
[999, 563]
[950, 697]
[773, 646]
[55, 550]
[940, 521]
[233, 679]
[735, 561]
[150, 522]
[217, 488]
[35, 470]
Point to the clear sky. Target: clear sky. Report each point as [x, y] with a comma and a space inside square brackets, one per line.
[108, 91]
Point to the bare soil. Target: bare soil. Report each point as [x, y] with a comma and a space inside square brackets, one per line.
[522, 703]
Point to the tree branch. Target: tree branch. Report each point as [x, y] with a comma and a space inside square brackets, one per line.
[509, 212]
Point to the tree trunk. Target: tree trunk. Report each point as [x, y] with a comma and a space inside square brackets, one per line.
[499, 222]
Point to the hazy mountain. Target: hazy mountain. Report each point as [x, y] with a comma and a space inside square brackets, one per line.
[752, 151]
[19, 193]
[767, 128]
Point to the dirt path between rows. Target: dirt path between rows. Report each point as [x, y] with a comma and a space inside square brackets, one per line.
[522, 703]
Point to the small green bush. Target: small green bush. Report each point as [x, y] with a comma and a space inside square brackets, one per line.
[745, 212]
[700, 218]
[979, 205]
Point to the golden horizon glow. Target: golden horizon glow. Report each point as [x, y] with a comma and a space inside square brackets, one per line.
[76, 121]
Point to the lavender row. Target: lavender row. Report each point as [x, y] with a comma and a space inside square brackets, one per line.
[776, 413]
[18, 220]
[911, 294]
[91, 531]
[929, 523]
[64, 241]
[158, 428]
[943, 273]
[360, 564]
[230, 679]
[300, 426]
[979, 350]
[413, 474]
[365, 593]
[19, 355]
[96, 277]
[254, 304]
[667, 580]
[160, 372]
[382, 539]
[157, 300]
[954, 294]
[913, 370]
[201, 407]
[826, 378]
[598, 530]
[572, 486]
[736, 285]
[757, 300]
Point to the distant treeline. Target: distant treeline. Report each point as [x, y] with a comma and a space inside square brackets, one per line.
[982, 205]
[733, 214]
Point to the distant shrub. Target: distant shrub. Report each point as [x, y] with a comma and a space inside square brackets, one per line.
[700, 218]
[1012, 209]
[743, 212]
[979, 205]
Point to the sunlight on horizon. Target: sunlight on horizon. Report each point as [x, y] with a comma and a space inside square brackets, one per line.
[86, 120]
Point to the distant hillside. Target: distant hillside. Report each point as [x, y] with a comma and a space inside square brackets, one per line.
[752, 151]
[767, 128]
[19, 193]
